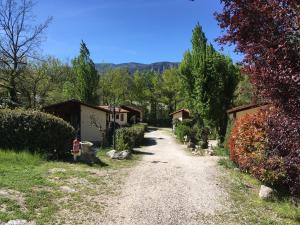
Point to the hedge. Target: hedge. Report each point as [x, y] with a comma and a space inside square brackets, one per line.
[130, 137]
[36, 132]
[283, 133]
[250, 150]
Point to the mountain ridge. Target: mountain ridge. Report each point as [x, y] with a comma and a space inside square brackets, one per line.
[134, 66]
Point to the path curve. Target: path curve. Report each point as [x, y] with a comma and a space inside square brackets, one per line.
[168, 187]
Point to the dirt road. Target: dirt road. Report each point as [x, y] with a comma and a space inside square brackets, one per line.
[169, 186]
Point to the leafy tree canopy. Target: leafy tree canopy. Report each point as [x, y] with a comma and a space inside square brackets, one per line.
[87, 77]
[210, 79]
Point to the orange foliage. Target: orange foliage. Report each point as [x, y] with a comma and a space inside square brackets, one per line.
[249, 149]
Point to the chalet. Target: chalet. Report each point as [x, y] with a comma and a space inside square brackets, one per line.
[134, 114]
[121, 114]
[180, 115]
[90, 122]
[238, 112]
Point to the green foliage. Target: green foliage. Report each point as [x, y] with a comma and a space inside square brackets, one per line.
[171, 89]
[87, 78]
[40, 83]
[35, 84]
[130, 137]
[182, 130]
[209, 79]
[187, 122]
[156, 94]
[35, 131]
[244, 92]
[115, 86]
[194, 130]
[62, 84]
[226, 163]
[219, 151]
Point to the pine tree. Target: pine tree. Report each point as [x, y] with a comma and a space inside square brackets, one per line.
[87, 77]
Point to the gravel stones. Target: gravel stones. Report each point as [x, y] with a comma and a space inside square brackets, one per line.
[182, 191]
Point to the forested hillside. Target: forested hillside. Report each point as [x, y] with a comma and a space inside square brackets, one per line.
[133, 66]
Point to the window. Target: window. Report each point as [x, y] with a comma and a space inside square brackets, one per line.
[122, 117]
[117, 116]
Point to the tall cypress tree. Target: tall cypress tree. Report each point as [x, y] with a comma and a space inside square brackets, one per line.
[87, 77]
[210, 80]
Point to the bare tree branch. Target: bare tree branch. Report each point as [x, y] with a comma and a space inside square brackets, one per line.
[19, 39]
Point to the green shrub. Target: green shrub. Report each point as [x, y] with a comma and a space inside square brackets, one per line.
[194, 130]
[144, 125]
[130, 137]
[187, 122]
[35, 131]
[219, 151]
[182, 130]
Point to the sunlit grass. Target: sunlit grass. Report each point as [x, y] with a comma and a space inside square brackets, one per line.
[248, 208]
[28, 176]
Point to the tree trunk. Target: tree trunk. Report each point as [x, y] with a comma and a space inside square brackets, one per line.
[223, 129]
[13, 91]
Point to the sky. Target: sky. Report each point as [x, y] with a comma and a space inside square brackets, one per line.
[119, 31]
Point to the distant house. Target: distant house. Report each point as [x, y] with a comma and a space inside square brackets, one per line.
[180, 115]
[134, 115]
[81, 116]
[121, 114]
[238, 112]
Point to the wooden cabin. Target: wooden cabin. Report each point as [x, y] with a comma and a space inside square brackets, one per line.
[81, 116]
[238, 112]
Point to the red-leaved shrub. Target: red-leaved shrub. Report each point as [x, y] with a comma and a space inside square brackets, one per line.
[267, 33]
[249, 149]
[283, 133]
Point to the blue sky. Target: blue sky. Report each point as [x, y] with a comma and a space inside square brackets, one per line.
[119, 31]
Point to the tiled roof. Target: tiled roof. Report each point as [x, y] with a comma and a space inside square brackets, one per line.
[118, 109]
[180, 110]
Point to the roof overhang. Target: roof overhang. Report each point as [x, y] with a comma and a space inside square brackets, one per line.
[180, 110]
[74, 101]
[117, 109]
[245, 107]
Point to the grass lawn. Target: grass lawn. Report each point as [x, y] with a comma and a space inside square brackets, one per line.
[34, 189]
[248, 208]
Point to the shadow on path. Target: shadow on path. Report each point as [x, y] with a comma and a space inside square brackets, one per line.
[150, 142]
[155, 161]
[136, 152]
[151, 129]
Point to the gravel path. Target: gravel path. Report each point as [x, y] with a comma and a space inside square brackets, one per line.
[169, 186]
